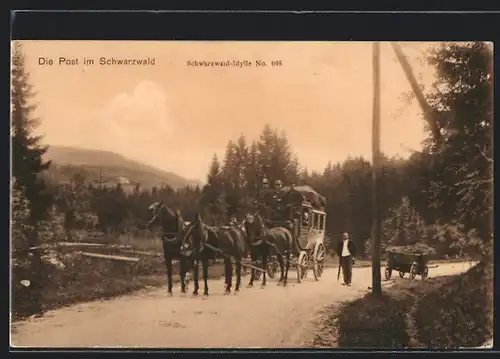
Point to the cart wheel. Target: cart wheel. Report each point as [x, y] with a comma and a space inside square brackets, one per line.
[388, 273]
[413, 271]
[425, 273]
[318, 260]
[257, 273]
[272, 268]
[302, 266]
[402, 274]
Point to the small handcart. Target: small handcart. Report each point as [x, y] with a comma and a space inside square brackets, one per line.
[405, 261]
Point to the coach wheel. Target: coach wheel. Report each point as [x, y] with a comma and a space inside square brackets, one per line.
[413, 271]
[257, 273]
[425, 273]
[318, 260]
[302, 266]
[272, 268]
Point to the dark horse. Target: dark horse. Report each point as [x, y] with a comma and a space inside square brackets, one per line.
[269, 241]
[210, 242]
[172, 224]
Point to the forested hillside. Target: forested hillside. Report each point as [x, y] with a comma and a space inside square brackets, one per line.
[108, 166]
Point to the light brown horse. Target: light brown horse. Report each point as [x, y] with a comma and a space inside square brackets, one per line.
[265, 241]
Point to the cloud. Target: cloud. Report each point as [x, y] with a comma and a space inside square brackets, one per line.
[136, 124]
[138, 116]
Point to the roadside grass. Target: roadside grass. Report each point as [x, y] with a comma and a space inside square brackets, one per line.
[441, 312]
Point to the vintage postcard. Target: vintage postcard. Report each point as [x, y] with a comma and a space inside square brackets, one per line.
[224, 194]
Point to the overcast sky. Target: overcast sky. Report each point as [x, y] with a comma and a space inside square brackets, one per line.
[175, 117]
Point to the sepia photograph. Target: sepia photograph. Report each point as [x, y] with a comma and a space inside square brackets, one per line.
[251, 194]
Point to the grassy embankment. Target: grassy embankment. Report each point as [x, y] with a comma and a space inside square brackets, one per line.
[84, 279]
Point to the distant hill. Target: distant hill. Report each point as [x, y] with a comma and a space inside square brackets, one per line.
[113, 167]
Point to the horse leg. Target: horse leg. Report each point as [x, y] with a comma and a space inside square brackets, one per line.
[229, 275]
[287, 267]
[169, 273]
[182, 269]
[252, 275]
[264, 266]
[252, 271]
[195, 277]
[281, 262]
[238, 275]
[205, 275]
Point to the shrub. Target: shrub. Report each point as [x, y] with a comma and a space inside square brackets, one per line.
[374, 322]
[457, 314]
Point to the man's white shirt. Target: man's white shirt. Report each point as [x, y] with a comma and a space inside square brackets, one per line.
[345, 249]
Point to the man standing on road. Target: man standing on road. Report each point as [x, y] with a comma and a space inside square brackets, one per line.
[346, 250]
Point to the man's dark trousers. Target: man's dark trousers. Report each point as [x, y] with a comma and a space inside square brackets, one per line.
[346, 264]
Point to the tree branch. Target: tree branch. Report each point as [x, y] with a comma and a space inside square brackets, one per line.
[483, 153]
[473, 182]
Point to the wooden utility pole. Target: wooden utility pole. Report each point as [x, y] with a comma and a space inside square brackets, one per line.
[376, 229]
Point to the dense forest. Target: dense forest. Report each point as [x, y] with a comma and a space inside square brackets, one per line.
[441, 195]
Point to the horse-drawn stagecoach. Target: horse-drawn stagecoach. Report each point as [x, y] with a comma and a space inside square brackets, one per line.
[292, 232]
[299, 209]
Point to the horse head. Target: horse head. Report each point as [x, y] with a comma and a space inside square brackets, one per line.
[169, 220]
[155, 210]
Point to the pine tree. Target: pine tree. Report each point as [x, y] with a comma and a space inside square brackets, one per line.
[462, 100]
[212, 198]
[294, 173]
[252, 170]
[404, 226]
[266, 147]
[27, 153]
[241, 160]
[304, 177]
[228, 169]
[328, 170]
[235, 163]
[214, 177]
[20, 214]
[286, 169]
[276, 158]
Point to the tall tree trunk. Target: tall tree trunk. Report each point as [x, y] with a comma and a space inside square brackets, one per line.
[376, 229]
[428, 116]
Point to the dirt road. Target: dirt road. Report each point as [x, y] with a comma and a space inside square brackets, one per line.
[270, 317]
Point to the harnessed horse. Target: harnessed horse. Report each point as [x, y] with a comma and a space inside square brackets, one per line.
[206, 242]
[172, 224]
[269, 241]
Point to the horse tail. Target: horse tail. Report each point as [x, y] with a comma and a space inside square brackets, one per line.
[288, 235]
